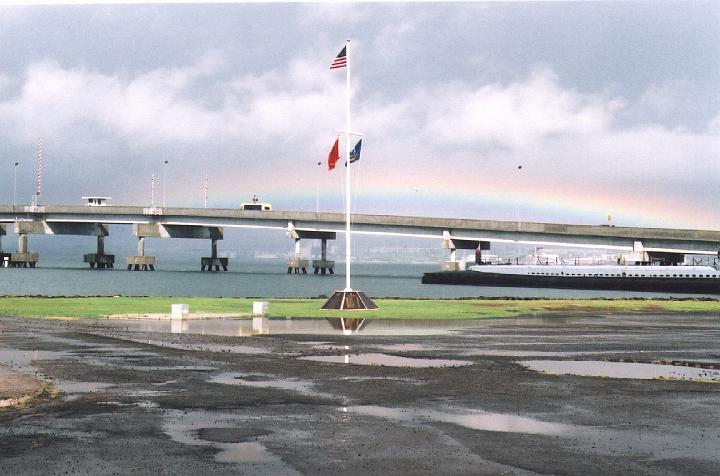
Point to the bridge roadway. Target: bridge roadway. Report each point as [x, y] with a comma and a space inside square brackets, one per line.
[459, 230]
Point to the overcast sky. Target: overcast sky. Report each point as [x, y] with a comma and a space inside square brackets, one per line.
[610, 108]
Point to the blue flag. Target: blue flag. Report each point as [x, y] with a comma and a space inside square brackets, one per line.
[355, 153]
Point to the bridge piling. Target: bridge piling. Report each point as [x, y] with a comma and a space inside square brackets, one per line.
[323, 265]
[99, 260]
[23, 259]
[141, 262]
[297, 263]
[4, 257]
[213, 261]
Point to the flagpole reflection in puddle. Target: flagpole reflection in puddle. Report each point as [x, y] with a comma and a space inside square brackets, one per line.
[348, 325]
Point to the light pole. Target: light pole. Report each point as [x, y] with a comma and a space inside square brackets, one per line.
[519, 168]
[317, 188]
[15, 182]
[163, 178]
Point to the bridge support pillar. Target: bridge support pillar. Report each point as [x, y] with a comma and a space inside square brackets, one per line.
[323, 265]
[23, 258]
[141, 262]
[4, 257]
[99, 260]
[213, 263]
[297, 263]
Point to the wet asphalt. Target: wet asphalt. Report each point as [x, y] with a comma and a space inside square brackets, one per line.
[138, 402]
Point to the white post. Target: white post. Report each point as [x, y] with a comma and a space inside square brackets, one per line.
[347, 172]
[206, 189]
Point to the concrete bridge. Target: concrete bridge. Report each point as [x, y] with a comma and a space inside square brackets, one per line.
[667, 244]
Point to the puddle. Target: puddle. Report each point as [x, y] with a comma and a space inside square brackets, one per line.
[142, 404]
[150, 368]
[188, 428]
[473, 419]
[385, 360]
[269, 381]
[629, 370]
[322, 345]
[246, 327]
[519, 353]
[72, 386]
[25, 360]
[411, 348]
[149, 393]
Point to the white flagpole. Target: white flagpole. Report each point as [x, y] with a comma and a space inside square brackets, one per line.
[347, 172]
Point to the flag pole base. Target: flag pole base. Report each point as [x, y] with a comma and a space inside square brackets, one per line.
[350, 300]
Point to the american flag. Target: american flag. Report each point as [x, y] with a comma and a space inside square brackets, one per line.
[340, 60]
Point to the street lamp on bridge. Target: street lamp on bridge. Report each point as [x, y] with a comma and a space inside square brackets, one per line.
[15, 182]
[163, 180]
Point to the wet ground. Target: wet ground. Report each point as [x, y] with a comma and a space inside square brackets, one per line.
[601, 394]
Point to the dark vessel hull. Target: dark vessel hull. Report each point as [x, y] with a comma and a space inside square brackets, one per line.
[636, 283]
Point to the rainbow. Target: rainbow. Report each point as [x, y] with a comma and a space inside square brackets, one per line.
[580, 203]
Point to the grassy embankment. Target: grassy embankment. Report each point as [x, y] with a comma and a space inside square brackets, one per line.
[99, 307]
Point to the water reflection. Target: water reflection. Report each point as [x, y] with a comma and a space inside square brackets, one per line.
[240, 327]
[377, 359]
[303, 387]
[179, 326]
[260, 325]
[348, 325]
[630, 370]
[473, 419]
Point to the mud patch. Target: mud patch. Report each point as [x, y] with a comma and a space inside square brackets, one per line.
[231, 434]
[17, 388]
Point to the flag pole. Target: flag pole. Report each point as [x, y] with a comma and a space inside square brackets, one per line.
[346, 299]
[347, 170]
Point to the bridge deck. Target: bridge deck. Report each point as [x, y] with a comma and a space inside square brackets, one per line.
[652, 239]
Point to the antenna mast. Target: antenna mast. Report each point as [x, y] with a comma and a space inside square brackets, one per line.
[38, 176]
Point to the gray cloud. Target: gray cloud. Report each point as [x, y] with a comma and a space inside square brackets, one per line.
[621, 96]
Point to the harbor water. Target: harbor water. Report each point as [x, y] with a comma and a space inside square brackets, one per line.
[260, 278]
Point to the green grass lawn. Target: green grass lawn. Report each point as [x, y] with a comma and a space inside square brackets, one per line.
[98, 307]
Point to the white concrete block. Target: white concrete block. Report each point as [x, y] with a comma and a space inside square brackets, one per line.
[180, 310]
[260, 308]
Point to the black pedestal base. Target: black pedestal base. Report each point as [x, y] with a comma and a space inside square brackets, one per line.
[350, 300]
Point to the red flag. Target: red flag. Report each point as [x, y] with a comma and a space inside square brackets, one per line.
[334, 155]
